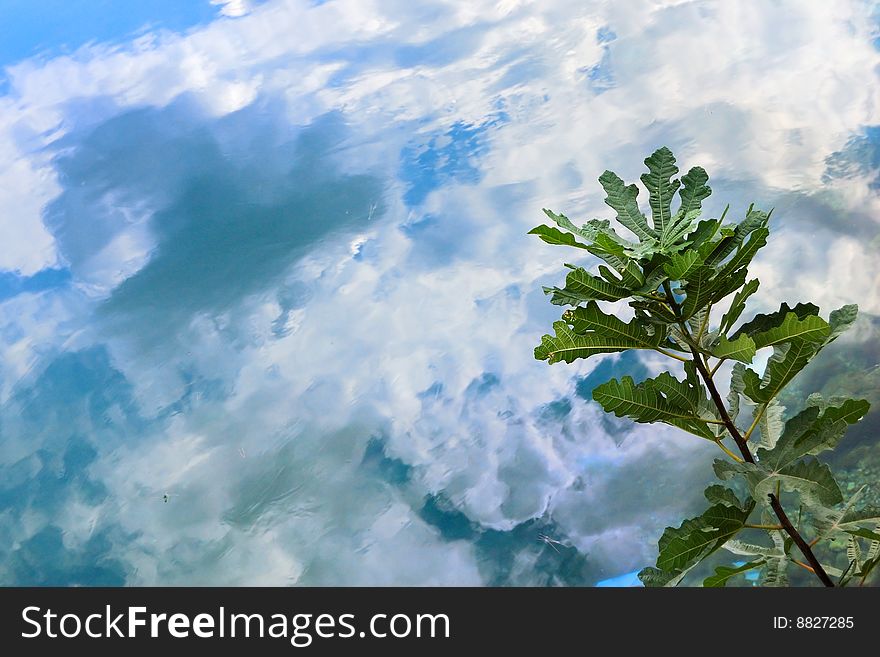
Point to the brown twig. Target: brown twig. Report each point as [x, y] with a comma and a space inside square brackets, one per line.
[804, 566]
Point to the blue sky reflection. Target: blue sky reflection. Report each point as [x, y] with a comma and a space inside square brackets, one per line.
[271, 259]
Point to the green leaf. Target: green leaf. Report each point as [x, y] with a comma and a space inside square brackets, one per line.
[726, 470]
[663, 399]
[737, 375]
[717, 494]
[555, 236]
[654, 278]
[581, 286]
[676, 336]
[657, 311]
[680, 265]
[622, 199]
[811, 432]
[696, 321]
[590, 318]
[609, 276]
[762, 323]
[694, 190]
[874, 548]
[841, 319]
[738, 305]
[787, 360]
[854, 552]
[868, 567]
[607, 248]
[751, 550]
[864, 533]
[774, 571]
[602, 241]
[594, 332]
[672, 237]
[588, 232]
[828, 521]
[809, 478]
[699, 288]
[754, 220]
[661, 168]
[737, 389]
[632, 277]
[861, 523]
[724, 573]
[741, 349]
[728, 285]
[704, 233]
[816, 399]
[842, 409]
[697, 538]
[568, 345]
[703, 288]
[810, 329]
[654, 577]
[745, 253]
[770, 424]
[681, 224]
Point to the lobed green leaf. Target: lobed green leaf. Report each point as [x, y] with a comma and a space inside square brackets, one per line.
[811, 432]
[593, 332]
[765, 322]
[754, 220]
[741, 349]
[724, 573]
[661, 189]
[694, 190]
[662, 399]
[581, 287]
[555, 236]
[717, 494]
[697, 538]
[680, 265]
[622, 198]
[738, 305]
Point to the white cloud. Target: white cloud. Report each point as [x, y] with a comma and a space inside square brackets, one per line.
[740, 88]
[233, 8]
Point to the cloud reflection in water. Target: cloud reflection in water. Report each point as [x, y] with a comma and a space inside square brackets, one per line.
[298, 297]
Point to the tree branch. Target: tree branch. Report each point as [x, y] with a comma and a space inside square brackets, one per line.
[743, 446]
[803, 546]
[740, 441]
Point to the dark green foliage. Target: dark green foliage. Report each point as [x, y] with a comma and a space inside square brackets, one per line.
[674, 270]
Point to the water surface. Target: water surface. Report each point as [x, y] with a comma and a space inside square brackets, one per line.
[268, 302]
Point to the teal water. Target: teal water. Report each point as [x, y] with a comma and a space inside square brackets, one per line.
[269, 305]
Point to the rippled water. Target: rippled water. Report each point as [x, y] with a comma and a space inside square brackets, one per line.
[268, 302]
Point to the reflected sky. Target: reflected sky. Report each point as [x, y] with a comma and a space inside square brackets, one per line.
[269, 305]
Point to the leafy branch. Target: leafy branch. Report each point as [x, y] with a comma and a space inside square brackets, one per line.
[674, 271]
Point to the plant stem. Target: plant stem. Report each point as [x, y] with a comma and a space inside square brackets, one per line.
[671, 355]
[767, 527]
[803, 546]
[704, 324]
[728, 452]
[717, 365]
[758, 415]
[804, 566]
[743, 446]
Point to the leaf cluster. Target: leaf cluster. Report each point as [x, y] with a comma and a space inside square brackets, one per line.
[673, 269]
